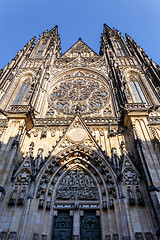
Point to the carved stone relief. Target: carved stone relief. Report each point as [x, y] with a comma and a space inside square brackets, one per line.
[130, 177]
[24, 176]
[132, 182]
[77, 185]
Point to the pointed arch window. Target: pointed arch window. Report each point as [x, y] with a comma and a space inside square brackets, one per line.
[119, 48]
[40, 52]
[137, 91]
[22, 92]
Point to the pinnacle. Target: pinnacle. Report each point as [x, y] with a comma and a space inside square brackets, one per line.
[106, 26]
[54, 29]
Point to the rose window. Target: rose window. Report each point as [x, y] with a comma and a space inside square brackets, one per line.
[86, 94]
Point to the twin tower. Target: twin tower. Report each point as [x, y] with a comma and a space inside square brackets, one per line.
[80, 141]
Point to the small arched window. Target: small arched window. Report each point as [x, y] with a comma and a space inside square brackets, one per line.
[40, 52]
[137, 91]
[22, 92]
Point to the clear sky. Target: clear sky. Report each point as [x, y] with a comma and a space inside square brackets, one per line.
[20, 20]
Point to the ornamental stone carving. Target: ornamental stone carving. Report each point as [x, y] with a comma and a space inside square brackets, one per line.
[24, 176]
[130, 177]
[77, 185]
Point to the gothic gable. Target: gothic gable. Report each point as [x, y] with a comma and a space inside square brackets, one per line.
[80, 48]
[77, 134]
[23, 173]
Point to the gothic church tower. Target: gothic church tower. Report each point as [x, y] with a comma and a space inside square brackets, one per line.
[80, 150]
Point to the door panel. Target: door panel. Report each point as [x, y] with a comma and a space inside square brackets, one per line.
[62, 227]
[90, 226]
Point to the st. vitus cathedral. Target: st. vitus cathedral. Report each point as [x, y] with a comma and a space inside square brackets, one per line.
[80, 150]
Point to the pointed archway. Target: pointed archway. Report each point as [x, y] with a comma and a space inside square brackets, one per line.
[78, 184]
[77, 200]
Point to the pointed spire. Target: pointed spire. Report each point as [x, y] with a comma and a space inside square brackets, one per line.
[106, 28]
[32, 39]
[128, 37]
[54, 30]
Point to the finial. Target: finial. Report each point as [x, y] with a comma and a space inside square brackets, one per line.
[78, 108]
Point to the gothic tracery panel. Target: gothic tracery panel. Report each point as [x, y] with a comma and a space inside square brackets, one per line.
[87, 94]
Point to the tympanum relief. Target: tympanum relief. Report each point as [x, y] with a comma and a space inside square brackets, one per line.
[77, 185]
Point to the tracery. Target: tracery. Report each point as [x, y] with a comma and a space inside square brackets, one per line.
[88, 94]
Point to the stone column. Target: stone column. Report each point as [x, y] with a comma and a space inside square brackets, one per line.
[76, 225]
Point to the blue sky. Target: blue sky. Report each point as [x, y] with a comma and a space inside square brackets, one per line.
[20, 20]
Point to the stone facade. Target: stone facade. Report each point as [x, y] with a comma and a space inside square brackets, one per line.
[80, 132]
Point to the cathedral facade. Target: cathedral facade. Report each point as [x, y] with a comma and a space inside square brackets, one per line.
[80, 141]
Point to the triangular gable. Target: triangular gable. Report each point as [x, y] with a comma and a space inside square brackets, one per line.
[77, 134]
[79, 48]
[24, 171]
[128, 169]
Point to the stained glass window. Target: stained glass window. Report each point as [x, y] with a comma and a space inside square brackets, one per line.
[119, 49]
[40, 52]
[137, 91]
[22, 92]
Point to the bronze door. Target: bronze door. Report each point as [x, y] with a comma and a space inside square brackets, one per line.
[62, 226]
[90, 226]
